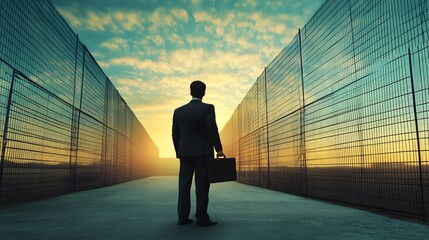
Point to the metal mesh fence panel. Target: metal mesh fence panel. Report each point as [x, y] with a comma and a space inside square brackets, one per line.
[347, 109]
[63, 125]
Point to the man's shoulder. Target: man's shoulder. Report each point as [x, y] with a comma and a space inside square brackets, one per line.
[207, 104]
[192, 104]
[189, 106]
[181, 107]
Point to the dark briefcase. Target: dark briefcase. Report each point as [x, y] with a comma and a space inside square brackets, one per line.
[221, 169]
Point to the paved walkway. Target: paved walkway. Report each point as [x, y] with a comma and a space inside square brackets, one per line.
[146, 209]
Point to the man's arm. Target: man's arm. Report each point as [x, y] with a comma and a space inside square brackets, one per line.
[213, 131]
[175, 133]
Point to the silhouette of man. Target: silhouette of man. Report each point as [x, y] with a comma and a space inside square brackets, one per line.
[195, 134]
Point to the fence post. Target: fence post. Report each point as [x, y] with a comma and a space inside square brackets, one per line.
[266, 121]
[77, 125]
[260, 155]
[359, 109]
[73, 125]
[302, 117]
[5, 132]
[104, 141]
[417, 136]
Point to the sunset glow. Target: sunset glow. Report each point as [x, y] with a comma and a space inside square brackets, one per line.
[153, 50]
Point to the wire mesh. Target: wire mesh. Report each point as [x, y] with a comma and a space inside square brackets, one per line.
[346, 110]
[63, 125]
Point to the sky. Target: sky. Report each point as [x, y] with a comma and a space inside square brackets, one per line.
[152, 50]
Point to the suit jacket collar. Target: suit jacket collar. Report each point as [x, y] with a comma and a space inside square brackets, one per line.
[196, 100]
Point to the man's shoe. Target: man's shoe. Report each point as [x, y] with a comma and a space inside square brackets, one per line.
[206, 223]
[184, 221]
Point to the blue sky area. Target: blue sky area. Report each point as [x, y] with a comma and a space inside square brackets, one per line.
[152, 50]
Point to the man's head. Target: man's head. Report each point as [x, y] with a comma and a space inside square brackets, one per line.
[198, 89]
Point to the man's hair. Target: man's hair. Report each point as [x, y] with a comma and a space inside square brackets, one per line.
[198, 89]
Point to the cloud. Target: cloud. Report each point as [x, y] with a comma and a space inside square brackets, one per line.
[174, 38]
[262, 21]
[191, 61]
[147, 51]
[180, 14]
[196, 39]
[99, 21]
[195, 2]
[167, 18]
[270, 52]
[129, 20]
[115, 43]
[158, 40]
[242, 42]
[160, 18]
[246, 3]
[241, 29]
[219, 22]
[70, 17]
[142, 64]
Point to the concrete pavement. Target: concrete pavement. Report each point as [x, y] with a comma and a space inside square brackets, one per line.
[146, 209]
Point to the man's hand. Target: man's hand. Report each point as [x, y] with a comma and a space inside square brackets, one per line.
[220, 154]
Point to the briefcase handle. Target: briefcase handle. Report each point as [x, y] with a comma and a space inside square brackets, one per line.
[217, 156]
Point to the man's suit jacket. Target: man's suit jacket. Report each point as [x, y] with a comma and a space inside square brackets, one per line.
[195, 131]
